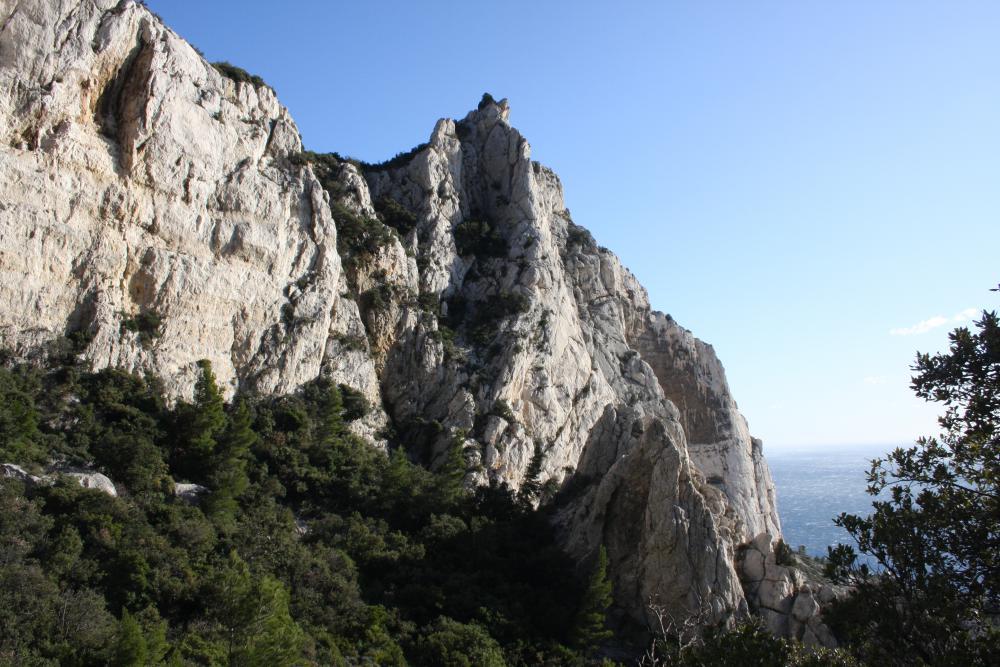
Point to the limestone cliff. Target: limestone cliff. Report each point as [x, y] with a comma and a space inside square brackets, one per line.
[169, 212]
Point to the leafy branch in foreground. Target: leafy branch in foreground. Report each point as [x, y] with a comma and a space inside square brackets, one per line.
[935, 598]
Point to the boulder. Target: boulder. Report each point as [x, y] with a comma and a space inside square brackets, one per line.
[86, 478]
[189, 492]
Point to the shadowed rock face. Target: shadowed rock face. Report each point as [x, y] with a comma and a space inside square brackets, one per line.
[719, 440]
[140, 185]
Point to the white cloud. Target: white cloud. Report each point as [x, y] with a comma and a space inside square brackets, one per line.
[920, 327]
[876, 379]
[934, 323]
[965, 315]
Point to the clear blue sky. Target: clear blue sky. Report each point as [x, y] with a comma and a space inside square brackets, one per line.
[791, 180]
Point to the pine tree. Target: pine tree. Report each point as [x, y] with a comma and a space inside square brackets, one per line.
[532, 485]
[258, 626]
[450, 475]
[589, 629]
[209, 416]
[276, 640]
[130, 645]
[330, 415]
[19, 433]
[228, 477]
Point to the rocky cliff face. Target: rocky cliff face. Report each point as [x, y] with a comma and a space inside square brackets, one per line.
[169, 212]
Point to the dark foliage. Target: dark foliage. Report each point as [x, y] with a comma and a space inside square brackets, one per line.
[395, 215]
[430, 302]
[148, 325]
[783, 553]
[398, 160]
[378, 297]
[936, 597]
[238, 74]
[358, 237]
[355, 404]
[577, 236]
[327, 168]
[479, 238]
[354, 343]
[487, 315]
[749, 643]
[310, 546]
[479, 321]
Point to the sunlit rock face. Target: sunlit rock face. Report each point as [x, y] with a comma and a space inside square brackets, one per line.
[789, 602]
[168, 212]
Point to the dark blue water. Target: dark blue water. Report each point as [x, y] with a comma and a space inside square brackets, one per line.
[816, 485]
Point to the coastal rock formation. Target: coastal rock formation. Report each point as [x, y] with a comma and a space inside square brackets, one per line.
[167, 213]
[790, 604]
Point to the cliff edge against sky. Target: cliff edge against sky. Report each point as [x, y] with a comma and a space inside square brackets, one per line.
[170, 212]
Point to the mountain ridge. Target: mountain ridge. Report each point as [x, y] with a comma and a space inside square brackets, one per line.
[172, 214]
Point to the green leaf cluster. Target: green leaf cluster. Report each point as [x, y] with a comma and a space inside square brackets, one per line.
[934, 598]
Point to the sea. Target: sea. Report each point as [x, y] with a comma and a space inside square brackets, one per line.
[814, 486]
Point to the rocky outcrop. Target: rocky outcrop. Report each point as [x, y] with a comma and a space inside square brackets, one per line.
[168, 213]
[188, 492]
[88, 479]
[148, 202]
[790, 604]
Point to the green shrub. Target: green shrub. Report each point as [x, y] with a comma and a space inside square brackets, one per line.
[147, 324]
[349, 342]
[327, 168]
[579, 236]
[486, 315]
[430, 302]
[238, 74]
[288, 314]
[399, 160]
[446, 336]
[356, 406]
[310, 547]
[783, 554]
[395, 215]
[358, 238]
[481, 319]
[378, 298]
[479, 238]
[448, 643]
[502, 409]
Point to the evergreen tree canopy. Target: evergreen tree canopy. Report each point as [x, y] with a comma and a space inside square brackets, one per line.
[590, 629]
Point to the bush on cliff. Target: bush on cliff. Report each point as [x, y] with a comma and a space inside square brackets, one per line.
[238, 74]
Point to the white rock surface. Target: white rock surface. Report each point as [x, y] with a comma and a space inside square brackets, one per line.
[189, 492]
[12, 471]
[790, 604]
[88, 479]
[136, 179]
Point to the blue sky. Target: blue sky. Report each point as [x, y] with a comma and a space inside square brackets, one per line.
[812, 187]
